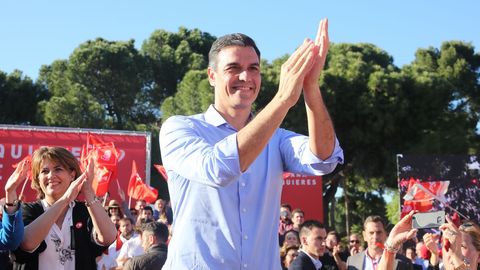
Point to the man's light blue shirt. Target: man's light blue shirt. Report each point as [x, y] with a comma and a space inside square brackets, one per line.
[223, 218]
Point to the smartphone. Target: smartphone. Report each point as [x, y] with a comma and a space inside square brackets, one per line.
[428, 220]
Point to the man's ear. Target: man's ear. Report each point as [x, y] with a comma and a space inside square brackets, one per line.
[211, 76]
[303, 240]
[151, 239]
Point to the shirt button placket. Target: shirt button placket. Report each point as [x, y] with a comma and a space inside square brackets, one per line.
[243, 211]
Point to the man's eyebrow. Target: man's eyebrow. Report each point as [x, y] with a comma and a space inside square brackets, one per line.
[236, 64]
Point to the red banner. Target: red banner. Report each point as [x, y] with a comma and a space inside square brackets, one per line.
[18, 142]
[304, 192]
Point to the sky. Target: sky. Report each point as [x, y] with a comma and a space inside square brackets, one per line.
[35, 32]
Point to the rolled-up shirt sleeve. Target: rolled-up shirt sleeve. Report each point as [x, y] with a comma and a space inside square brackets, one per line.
[194, 153]
[298, 158]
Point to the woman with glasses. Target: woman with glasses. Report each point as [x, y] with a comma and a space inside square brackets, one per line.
[354, 244]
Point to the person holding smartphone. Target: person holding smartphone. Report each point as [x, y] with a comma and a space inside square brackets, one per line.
[461, 245]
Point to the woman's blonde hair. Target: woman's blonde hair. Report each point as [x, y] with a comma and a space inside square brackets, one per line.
[53, 153]
[473, 230]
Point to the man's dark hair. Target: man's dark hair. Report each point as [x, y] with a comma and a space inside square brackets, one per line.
[148, 208]
[157, 229]
[125, 219]
[309, 225]
[374, 219]
[286, 205]
[335, 233]
[236, 39]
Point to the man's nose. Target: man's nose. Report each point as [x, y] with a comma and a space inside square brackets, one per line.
[243, 76]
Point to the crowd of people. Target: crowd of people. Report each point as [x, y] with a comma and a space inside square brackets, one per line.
[224, 169]
[141, 234]
[88, 236]
[452, 247]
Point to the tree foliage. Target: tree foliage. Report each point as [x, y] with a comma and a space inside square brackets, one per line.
[171, 55]
[194, 95]
[19, 96]
[102, 84]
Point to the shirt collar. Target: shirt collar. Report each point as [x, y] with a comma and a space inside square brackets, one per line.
[213, 117]
[316, 262]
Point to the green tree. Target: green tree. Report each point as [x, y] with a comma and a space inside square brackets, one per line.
[19, 96]
[450, 77]
[103, 84]
[171, 55]
[194, 95]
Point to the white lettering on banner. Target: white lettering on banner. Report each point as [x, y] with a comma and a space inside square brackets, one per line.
[76, 151]
[300, 182]
[122, 155]
[1, 167]
[30, 149]
[16, 154]
[2, 151]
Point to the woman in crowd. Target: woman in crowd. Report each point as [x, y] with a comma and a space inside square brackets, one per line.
[61, 232]
[160, 212]
[463, 244]
[288, 255]
[291, 239]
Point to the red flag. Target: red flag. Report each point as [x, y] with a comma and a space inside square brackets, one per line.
[161, 170]
[420, 194]
[139, 190]
[426, 190]
[92, 140]
[101, 181]
[119, 242]
[105, 158]
[134, 178]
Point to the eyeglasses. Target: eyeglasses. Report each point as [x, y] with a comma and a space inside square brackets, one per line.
[355, 241]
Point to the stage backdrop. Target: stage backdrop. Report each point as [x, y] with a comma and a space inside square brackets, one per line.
[429, 183]
[18, 141]
[304, 192]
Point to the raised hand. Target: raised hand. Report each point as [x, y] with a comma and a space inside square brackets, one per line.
[430, 242]
[75, 188]
[16, 179]
[322, 42]
[294, 70]
[402, 231]
[452, 234]
[87, 188]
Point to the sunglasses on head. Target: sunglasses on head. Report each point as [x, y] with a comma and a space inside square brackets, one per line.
[355, 241]
[467, 225]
